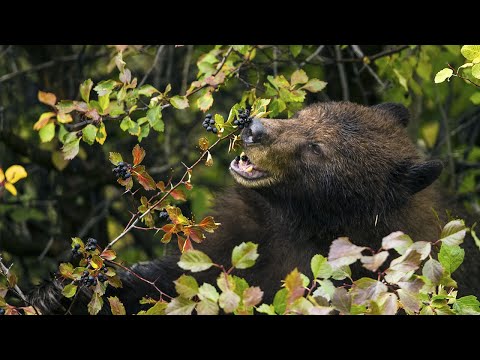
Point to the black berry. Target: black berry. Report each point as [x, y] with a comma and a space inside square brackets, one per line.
[214, 130]
[212, 122]
[209, 128]
[208, 116]
[163, 215]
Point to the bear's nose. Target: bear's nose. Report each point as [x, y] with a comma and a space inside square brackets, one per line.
[254, 133]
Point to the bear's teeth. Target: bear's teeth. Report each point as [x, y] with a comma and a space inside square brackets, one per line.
[249, 169]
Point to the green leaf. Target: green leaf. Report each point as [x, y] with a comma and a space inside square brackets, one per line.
[298, 77]
[266, 309]
[467, 305]
[207, 307]
[280, 301]
[154, 116]
[398, 241]
[105, 87]
[179, 102]
[207, 291]
[409, 301]
[433, 271]
[205, 101]
[244, 255]
[325, 290]
[295, 50]
[219, 119]
[451, 257]
[320, 267]
[341, 273]
[115, 158]
[147, 90]
[89, 134]
[343, 252]
[401, 79]
[229, 301]
[85, 89]
[277, 106]
[95, 304]
[116, 306]
[443, 75]
[225, 282]
[386, 304]
[372, 263]
[69, 291]
[186, 286]
[47, 133]
[104, 102]
[476, 71]
[470, 52]
[180, 306]
[195, 261]
[158, 309]
[453, 233]
[70, 149]
[66, 270]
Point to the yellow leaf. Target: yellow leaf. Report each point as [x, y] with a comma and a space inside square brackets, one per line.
[15, 173]
[64, 118]
[43, 120]
[2, 175]
[11, 189]
[101, 134]
[47, 98]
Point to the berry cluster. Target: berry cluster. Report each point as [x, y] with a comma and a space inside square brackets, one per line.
[122, 170]
[76, 250]
[209, 124]
[244, 118]
[91, 244]
[163, 215]
[87, 279]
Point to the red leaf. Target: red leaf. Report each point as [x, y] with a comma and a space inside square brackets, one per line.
[144, 178]
[108, 255]
[168, 228]
[294, 285]
[138, 154]
[184, 244]
[166, 238]
[195, 234]
[178, 195]
[208, 224]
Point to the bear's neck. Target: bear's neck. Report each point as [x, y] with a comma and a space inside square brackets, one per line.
[363, 223]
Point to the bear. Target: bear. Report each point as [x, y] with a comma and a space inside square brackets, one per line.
[334, 169]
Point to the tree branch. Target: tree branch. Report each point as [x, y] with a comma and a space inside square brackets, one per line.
[342, 74]
[157, 56]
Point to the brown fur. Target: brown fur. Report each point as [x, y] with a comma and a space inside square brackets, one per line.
[336, 169]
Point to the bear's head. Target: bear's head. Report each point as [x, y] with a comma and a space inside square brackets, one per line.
[337, 156]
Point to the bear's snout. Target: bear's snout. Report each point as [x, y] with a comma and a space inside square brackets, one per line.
[254, 133]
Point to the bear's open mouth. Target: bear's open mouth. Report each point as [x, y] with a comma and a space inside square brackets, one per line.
[243, 167]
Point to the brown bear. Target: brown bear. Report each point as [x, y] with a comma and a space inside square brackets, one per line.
[334, 169]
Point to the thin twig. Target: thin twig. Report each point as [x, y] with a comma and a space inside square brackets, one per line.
[312, 55]
[138, 217]
[48, 64]
[18, 291]
[342, 74]
[451, 164]
[157, 56]
[374, 57]
[45, 251]
[356, 49]
[186, 67]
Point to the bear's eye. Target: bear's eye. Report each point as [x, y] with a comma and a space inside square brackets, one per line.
[316, 148]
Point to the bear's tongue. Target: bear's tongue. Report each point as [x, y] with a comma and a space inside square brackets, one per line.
[244, 167]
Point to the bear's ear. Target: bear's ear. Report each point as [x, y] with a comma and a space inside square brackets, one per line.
[397, 111]
[419, 176]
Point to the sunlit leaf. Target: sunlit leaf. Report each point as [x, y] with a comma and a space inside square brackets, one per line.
[299, 77]
[320, 267]
[95, 304]
[372, 263]
[69, 291]
[179, 102]
[85, 89]
[205, 101]
[244, 255]
[186, 286]
[343, 252]
[195, 261]
[443, 75]
[451, 257]
[453, 233]
[138, 154]
[180, 306]
[47, 98]
[229, 301]
[116, 306]
[43, 120]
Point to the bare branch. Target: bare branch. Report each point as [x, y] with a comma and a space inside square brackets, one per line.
[157, 56]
